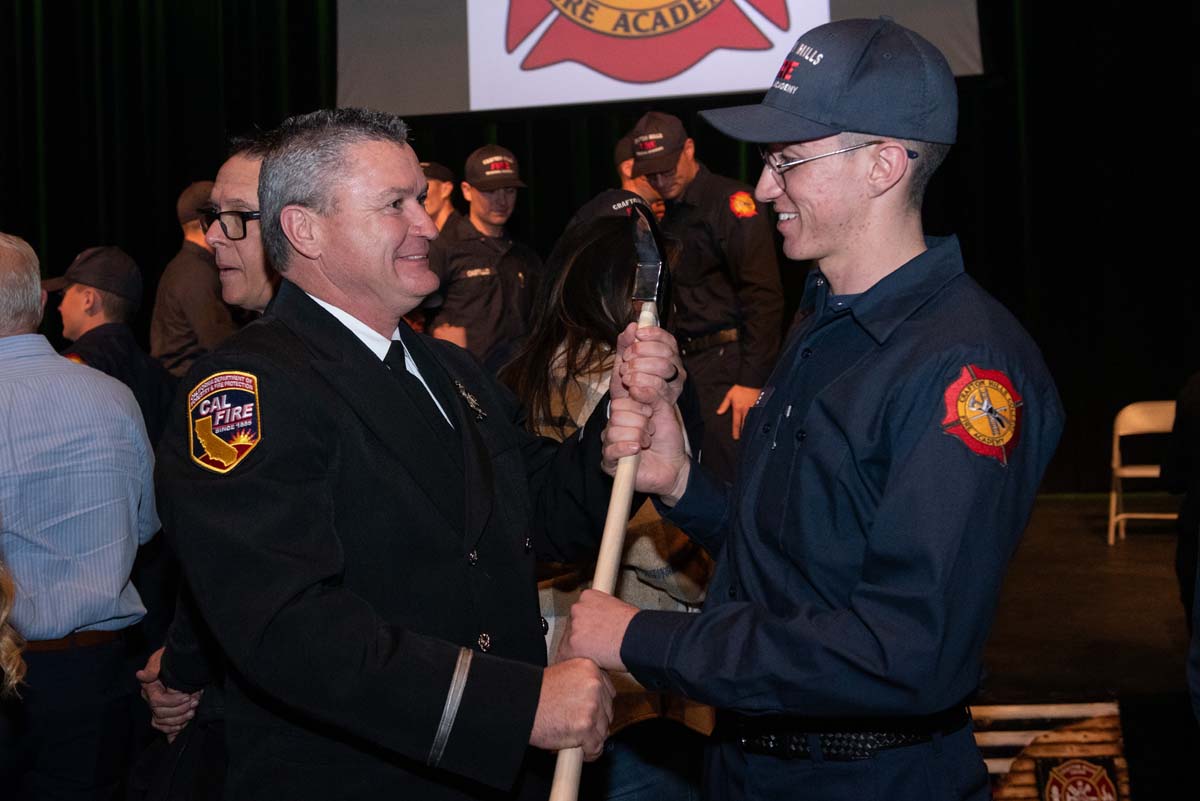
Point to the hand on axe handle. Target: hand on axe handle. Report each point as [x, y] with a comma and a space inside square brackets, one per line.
[574, 708]
[647, 365]
[595, 629]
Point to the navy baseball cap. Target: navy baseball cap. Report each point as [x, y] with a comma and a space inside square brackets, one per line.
[108, 268]
[609, 203]
[861, 75]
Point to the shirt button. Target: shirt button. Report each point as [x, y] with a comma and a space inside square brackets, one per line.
[545, 625]
[804, 354]
[473, 557]
[801, 435]
[485, 642]
[766, 429]
[528, 544]
[820, 282]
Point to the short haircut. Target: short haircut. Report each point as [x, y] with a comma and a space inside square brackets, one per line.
[253, 145]
[930, 156]
[116, 308]
[305, 161]
[20, 287]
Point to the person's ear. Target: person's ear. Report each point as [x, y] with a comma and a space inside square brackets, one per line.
[303, 229]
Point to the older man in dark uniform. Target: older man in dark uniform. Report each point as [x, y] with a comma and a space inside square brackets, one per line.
[887, 472]
[357, 509]
[728, 297]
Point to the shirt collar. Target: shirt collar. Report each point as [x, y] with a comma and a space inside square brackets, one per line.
[895, 297]
[20, 345]
[695, 193]
[378, 344]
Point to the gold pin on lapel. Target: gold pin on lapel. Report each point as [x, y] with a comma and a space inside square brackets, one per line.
[472, 401]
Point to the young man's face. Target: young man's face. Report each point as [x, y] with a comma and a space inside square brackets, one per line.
[493, 206]
[73, 308]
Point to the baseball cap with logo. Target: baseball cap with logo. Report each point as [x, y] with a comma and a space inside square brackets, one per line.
[437, 172]
[609, 203]
[861, 75]
[657, 140]
[108, 268]
[492, 167]
[194, 197]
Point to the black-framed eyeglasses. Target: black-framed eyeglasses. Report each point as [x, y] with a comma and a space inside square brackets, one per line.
[233, 223]
[780, 167]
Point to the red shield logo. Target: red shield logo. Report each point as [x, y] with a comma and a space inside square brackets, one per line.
[637, 41]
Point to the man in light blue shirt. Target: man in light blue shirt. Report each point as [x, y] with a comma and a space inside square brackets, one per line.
[76, 501]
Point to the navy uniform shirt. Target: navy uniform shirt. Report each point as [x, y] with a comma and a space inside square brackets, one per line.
[111, 348]
[487, 288]
[886, 476]
[727, 275]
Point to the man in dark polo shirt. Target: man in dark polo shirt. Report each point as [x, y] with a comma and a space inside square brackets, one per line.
[101, 290]
[190, 319]
[488, 280]
[728, 297]
[439, 202]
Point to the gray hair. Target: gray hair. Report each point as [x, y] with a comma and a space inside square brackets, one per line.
[304, 163]
[20, 287]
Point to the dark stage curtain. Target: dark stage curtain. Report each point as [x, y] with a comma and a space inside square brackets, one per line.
[1068, 187]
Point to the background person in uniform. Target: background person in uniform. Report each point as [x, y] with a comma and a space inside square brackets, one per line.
[439, 202]
[362, 544]
[728, 297]
[101, 290]
[189, 318]
[887, 473]
[76, 500]
[487, 279]
[623, 161]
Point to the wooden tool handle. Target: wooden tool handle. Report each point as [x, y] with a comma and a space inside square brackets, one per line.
[570, 761]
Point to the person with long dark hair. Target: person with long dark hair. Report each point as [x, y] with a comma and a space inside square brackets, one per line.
[561, 373]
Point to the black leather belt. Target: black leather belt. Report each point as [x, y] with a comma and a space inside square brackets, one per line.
[842, 739]
[696, 344]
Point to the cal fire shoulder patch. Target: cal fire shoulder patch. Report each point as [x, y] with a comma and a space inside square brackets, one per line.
[224, 420]
[74, 357]
[983, 409]
[742, 205]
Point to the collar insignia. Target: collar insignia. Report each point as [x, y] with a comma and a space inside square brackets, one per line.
[471, 401]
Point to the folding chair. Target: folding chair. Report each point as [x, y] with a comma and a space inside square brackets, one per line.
[1143, 417]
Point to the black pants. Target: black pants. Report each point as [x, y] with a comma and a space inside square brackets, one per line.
[713, 372]
[68, 735]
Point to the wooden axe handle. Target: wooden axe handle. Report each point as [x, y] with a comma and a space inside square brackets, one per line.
[570, 761]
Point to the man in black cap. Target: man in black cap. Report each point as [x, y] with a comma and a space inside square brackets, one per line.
[101, 290]
[887, 471]
[623, 162]
[728, 297]
[189, 318]
[438, 200]
[487, 278]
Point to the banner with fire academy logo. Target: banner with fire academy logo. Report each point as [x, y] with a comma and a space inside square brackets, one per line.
[541, 52]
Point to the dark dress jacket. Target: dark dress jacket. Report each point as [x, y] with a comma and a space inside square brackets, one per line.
[354, 557]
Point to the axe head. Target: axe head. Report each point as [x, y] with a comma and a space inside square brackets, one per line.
[653, 279]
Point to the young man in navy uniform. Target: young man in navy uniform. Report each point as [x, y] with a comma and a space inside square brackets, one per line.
[887, 471]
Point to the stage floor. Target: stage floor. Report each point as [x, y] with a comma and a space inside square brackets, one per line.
[1080, 621]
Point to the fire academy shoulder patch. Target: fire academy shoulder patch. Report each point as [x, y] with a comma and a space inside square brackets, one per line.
[224, 420]
[983, 409]
[742, 205]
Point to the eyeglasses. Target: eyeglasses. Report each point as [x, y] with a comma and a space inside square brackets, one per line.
[233, 223]
[780, 167]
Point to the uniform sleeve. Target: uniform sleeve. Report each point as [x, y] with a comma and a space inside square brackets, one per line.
[450, 288]
[749, 247]
[703, 511]
[260, 550]
[907, 637]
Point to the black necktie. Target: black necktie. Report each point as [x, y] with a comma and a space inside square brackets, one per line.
[417, 392]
